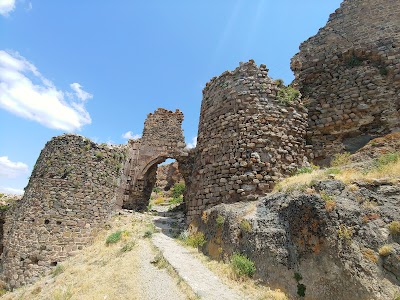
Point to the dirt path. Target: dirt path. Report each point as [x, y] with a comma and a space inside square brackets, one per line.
[205, 284]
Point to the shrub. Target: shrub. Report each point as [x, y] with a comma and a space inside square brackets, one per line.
[114, 237]
[195, 240]
[99, 155]
[150, 229]
[177, 200]
[301, 289]
[345, 233]
[341, 159]
[57, 270]
[385, 250]
[128, 246]
[245, 226]
[287, 94]
[178, 189]
[394, 228]
[354, 61]
[220, 220]
[242, 266]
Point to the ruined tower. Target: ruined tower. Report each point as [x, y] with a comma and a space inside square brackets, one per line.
[247, 138]
[349, 74]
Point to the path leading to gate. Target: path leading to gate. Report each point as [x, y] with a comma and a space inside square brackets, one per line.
[205, 284]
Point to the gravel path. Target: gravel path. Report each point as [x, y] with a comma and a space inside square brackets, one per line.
[203, 282]
[154, 283]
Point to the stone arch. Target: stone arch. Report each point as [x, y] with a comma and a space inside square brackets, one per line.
[162, 138]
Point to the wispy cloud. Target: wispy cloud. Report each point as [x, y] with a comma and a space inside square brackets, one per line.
[192, 144]
[10, 169]
[6, 6]
[130, 136]
[41, 101]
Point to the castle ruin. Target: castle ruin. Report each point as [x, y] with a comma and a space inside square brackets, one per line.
[349, 77]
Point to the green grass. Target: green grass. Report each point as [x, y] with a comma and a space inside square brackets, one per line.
[242, 266]
[150, 230]
[341, 159]
[195, 240]
[287, 95]
[114, 238]
[178, 189]
[386, 159]
[220, 220]
[58, 270]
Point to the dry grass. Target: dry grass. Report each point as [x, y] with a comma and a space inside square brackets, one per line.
[385, 250]
[98, 272]
[246, 285]
[302, 182]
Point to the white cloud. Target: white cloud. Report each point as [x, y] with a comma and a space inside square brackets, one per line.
[6, 6]
[130, 136]
[192, 144]
[81, 94]
[8, 190]
[10, 169]
[41, 102]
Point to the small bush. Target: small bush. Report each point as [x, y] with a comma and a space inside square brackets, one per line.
[298, 277]
[177, 200]
[128, 246]
[156, 190]
[242, 266]
[385, 250]
[57, 270]
[287, 95]
[345, 233]
[195, 240]
[245, 226]
[354, 61]
[150, 230]
[220, 220]
[301, 289]
[341, 159]
[178, 189]
[394, 228]
[114, 237]
[99, 155]
[383, 71]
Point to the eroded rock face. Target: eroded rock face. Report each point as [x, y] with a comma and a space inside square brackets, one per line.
[334, 250]
[349, 72]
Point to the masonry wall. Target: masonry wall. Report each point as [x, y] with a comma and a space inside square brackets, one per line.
[349, 73]
[247, 140]
[162, 138]
[71, 192]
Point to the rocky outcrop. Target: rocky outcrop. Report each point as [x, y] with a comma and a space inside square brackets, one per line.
[301, 244]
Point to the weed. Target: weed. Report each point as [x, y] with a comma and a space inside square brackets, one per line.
[178, 189]
[159, 200]
[99, 155]
[177, 200]
[301, 289]
[345, 233]
[304, 170]
[114, 237]
[159, 261]
[354, 61]
[150, 230]
[220, 220]
[195, 240]
[128, 246]
[341, 159]
[204, 217]
[57, 270]
[386, 159]
[62, 294]
[279, 83]
[149, 207]
[383, 71]
[245, 226]
[394, 228]
[298, 277]
[370, 217]
[242, 266]
[333, 171]
[385, 250]
[156, 190]
[287, 95]
[330, 203]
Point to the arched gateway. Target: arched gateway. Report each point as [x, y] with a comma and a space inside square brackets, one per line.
[162, 138]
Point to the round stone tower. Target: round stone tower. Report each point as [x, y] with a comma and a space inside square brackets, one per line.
[248, 138]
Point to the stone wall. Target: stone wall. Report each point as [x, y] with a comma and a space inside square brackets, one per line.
[71, 192]
[350, 74]
[247, 140]
[167, 176]
[162, 138]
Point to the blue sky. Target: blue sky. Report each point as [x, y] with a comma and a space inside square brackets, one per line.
[97, 68]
